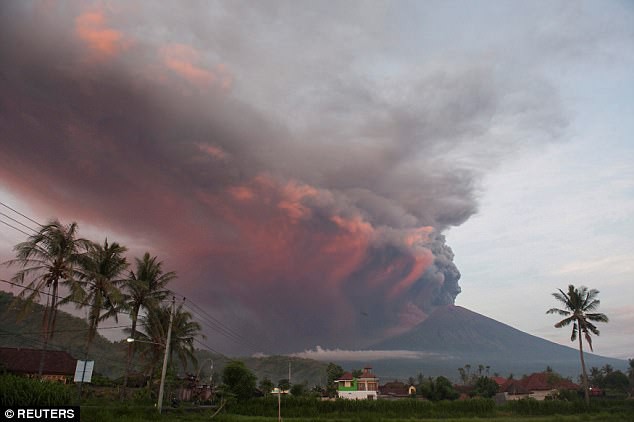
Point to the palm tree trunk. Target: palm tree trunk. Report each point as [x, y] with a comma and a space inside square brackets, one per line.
[49, 317]
[135, 314]
[45, 320]
[584, 373]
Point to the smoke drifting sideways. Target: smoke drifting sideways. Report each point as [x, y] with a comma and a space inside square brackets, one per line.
[323, 230]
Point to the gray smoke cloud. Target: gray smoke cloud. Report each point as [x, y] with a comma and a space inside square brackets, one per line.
[294, 169]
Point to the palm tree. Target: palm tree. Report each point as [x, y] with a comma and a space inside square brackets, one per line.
[101, 268]
[184, 331]
[145, 288]
[48, 258]
[578, 306]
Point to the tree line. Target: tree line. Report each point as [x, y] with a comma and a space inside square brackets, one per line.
[98, 277]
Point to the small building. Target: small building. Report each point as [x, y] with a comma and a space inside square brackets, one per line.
[363, 387]
[396, 389]
[538, 386]
[58, 365]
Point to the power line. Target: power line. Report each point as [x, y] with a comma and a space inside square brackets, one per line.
[211, 349]
[218, 326]
[19, 213]
[14, 228]
[58, 297]
[74, 330]
[17, 221]
[212, 322]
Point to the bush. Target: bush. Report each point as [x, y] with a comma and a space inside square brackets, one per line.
[21, 391]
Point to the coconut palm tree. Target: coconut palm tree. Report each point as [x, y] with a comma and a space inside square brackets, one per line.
[579, 304]
[144, 289]
[99, 289]
[154, 337]
[48, 259]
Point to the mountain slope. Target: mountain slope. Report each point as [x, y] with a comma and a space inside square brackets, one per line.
[455, 333]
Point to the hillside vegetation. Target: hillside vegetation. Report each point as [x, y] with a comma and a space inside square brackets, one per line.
[109, 356]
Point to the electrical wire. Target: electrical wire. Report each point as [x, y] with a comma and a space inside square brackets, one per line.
[19, 213]
[13, 227]
[206, 318]
[17, 221]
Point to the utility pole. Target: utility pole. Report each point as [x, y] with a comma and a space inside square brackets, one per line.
[289, 372]
[167, 352]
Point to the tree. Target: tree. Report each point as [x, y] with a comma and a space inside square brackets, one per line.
[485, 387]
[144, 289]
[298, 390]
[579, 304]
[616, 380]
[334, 372]
[49, 259]
[184, 331]
[284, 384]
[441, 389]
[266, 386]
[595, 374]
[239, 380]
[101, 268]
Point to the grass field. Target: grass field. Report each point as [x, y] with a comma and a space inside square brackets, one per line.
[108, 416]
[144, 413]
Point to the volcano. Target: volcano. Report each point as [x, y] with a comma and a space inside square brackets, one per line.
[453, 336]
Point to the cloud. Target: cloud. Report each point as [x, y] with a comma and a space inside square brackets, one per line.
[339, 355]
[91, 28]
[183, 60]
[306, 208]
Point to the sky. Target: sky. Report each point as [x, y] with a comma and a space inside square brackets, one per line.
[323, 175]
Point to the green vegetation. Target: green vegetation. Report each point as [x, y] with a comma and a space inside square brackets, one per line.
[578, 306]
[238, 380]
[613, 383]
[48, 259]
[98, 288]
[92, 273]
[144, 290]
[306, 409]
[15, 390]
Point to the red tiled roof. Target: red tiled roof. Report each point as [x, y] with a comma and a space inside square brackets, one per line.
[514, 387]
[540, 381]
[347, 376]
[499, 380]
[394, 388]
[27, 361]
[367, 373]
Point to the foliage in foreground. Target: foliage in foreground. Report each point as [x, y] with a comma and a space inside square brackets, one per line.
[15, 390]
[562, 407]
[311, 407]
[382, 410]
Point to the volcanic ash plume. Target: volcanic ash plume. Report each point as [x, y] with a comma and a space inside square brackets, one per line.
[306, 209]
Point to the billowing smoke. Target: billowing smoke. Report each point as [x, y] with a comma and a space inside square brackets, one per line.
[299, 196]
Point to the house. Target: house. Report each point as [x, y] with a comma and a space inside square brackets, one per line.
[394, 389]
[538, 386]
[58, 365]
[363, 387]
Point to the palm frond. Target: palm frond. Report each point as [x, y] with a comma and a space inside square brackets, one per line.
[597, 317]
[565, 322]
[558, 311]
